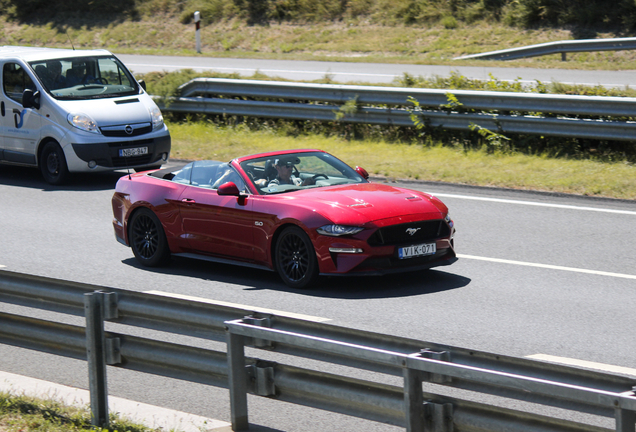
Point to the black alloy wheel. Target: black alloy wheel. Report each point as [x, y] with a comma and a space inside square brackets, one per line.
[53, 164]
[147, 239]
[295, 258]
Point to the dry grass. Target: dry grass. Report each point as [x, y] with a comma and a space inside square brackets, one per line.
[346, 41]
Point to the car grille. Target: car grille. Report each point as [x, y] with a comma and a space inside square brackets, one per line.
[135, 129]
[398, 234]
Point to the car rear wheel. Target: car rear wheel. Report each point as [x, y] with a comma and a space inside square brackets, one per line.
[295, 258]
[148, 240]
[53, 164]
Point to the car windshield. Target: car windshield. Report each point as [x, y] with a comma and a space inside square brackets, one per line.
[296, 171]
[85, 78]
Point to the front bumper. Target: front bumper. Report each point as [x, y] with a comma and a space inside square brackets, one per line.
[107, 155]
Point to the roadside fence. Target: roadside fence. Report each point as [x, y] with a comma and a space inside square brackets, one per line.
[415, 362]
[592, 117]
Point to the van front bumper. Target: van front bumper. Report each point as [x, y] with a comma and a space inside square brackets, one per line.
[113, 154]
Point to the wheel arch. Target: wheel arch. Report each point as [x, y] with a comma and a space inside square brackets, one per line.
[40, 148]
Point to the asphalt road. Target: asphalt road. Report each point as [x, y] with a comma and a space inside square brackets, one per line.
[538, 274]
[375, 73]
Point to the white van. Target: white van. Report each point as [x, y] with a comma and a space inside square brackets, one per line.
[68, 111]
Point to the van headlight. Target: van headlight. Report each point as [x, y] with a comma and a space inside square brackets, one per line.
[157, 118]
[83, 122]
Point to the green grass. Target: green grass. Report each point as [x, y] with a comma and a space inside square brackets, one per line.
[28, 414]
[201, 140]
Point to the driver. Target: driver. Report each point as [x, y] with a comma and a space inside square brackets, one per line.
[56, 79]
[285, 167]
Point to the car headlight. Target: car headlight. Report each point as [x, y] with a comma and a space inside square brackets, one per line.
[83, 122]
[448, 220]
[338, 230]
[157, 118]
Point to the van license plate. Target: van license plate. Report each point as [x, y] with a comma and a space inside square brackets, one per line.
[417, 250]
[133, 151]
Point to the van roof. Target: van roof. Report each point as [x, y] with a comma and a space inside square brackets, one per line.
[39, 53]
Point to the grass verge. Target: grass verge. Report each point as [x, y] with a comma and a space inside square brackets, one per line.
[28, 414]
[201, 140]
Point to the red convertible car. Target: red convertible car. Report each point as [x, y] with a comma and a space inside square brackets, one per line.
[301, 213]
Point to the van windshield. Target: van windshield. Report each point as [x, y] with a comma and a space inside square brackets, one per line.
[85, 78]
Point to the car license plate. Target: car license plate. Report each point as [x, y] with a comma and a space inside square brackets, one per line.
[417, 250]
[133, 151]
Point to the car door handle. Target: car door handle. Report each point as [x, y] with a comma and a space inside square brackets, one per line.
[188, 201]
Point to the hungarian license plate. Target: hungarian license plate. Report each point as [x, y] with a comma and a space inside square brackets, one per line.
[417, 250]
[137, 151]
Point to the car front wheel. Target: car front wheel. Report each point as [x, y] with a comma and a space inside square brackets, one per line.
[295, 258]
[148, 240]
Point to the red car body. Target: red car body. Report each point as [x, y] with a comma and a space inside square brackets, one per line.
[221, 223]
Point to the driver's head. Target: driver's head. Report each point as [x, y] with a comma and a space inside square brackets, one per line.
[54, 67]
[285, 166]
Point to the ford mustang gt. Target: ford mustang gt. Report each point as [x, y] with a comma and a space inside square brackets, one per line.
[301, 213]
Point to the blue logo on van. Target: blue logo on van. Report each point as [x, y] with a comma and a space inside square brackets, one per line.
[18, 117]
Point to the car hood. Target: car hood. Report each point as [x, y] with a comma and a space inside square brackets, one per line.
[367, 202]
[111, 111]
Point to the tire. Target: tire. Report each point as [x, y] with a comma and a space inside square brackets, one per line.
[295, 258]
[147, 239]
[53, 164]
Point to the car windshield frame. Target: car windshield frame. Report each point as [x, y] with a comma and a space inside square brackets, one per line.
[325, 170]
[85, 77]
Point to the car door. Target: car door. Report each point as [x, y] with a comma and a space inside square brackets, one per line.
[215, 224]
[20, 126]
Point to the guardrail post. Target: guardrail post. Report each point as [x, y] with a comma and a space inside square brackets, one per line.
[96, 356]
[237, 381]
[413, 400]
[625, 420]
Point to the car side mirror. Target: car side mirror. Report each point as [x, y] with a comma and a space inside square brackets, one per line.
[228, 188]
[362, 172]
[31, 99]
[142, 84]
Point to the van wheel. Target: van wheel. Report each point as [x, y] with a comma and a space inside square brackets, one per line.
[53, 164]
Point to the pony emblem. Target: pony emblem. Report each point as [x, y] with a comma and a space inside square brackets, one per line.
[412, 231]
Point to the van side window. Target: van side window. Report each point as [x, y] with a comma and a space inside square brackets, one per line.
[15, 80]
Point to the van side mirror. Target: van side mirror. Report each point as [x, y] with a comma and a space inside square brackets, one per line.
[142, 84]
[31, 99]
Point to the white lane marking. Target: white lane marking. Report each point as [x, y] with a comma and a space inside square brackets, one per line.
[538, 204]
[240, 306]
[584, 364]
[252, 70]
[548, 266]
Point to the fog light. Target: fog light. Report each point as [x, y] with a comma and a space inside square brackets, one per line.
[164, 156]
[346, 250]
[92, 164]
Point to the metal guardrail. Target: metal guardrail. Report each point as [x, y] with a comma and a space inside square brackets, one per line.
[592, 117]
[417, 362]
[562, 47]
